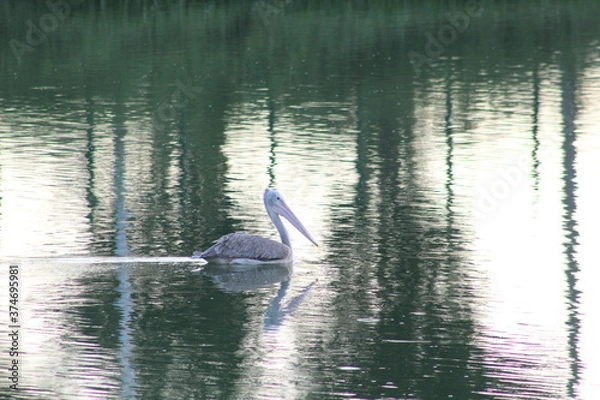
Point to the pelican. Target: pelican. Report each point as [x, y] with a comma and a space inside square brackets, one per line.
[243, 248]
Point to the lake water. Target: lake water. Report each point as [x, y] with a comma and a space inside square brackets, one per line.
[443, 154]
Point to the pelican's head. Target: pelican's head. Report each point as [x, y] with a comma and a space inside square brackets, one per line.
[274, 203]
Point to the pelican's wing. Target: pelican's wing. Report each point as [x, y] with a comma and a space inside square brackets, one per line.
[242, 245]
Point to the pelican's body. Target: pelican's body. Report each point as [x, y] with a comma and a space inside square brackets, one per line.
[240, 247]
[243, 248]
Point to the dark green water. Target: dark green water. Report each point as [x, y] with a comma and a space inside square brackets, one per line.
[443, 154]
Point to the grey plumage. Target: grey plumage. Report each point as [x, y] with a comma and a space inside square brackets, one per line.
[243, 248]
[240, 245]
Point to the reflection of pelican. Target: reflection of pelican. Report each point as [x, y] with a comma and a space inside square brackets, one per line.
[241, 247]
[244, 278]
[276, 313]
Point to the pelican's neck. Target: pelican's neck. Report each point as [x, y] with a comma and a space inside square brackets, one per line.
[283, 233]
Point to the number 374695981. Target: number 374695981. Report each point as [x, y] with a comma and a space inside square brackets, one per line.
[13, 292]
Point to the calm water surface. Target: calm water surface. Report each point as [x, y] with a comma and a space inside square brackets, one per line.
[454, 199]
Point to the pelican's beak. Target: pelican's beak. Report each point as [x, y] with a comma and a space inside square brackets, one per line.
[282, 209]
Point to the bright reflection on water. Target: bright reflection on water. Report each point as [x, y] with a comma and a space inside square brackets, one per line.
[455, 210]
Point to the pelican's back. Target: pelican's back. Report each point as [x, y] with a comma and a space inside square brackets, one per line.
[242, 247]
